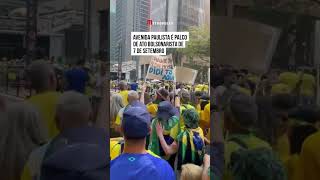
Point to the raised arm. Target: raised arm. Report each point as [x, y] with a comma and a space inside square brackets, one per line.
[168, 149]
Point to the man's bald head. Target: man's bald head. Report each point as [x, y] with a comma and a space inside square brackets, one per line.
[73, 110]
[133, 96]
[42, 76]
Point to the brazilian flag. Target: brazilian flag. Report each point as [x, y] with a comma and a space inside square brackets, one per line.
[191, 147]
[171, 130]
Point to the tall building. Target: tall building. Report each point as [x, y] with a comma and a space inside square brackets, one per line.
[131, 16]
[113, 34]
[159, 13]
[142, 10]
[180, 14]
[190, 13]
[124, 20]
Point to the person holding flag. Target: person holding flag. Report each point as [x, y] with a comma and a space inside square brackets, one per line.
[189, 144]
[168, 118]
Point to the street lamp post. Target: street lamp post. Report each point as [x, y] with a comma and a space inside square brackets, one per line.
[119, 62]
[31, 30]
[87, 28]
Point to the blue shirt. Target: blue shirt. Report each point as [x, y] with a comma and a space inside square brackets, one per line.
[77, 79]
[134, 86]
[140, 167]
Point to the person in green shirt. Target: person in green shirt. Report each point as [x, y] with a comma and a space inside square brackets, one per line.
[189, 145]
[240, 117]
[167, 117]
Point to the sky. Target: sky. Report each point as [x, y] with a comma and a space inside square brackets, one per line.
[113, 6]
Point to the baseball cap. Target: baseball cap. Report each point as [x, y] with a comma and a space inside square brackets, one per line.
[166, 110]
[136, 122]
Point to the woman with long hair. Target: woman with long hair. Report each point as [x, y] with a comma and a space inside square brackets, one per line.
[22, 132]
[116, 104]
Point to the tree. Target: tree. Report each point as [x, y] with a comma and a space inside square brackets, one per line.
[199, 43]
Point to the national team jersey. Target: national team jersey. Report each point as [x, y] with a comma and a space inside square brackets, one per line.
[117, 146]
[46, 104]
[124, 95]
[289, 78]
[140, 167]
[310, 157]
[308, 85]
[152, 109]
[205, 117]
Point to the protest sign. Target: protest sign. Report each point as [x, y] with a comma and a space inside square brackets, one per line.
[161, 68]
[244, 44]
[185, 75]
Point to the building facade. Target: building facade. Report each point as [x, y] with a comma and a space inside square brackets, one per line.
[113, 32]
[190, 13]
[61, 30]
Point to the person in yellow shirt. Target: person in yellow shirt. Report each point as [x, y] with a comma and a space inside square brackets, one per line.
[282, 103]
[297, 136]
[289, 78]
[73, 120]
[161, 95]
[185, 104]
[43, 80]
[240, 116]
[308, 85]
[206, 118]
[197, 101]
[280, 88]
[117, 146]
[205, 112]
[310, 157]
[124, 92]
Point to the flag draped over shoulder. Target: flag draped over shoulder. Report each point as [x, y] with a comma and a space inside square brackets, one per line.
[191, 147]
[171, 130]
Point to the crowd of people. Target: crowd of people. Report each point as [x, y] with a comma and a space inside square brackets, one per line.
[160, 130]
[52, 134]
[253, 127]
[271, 123]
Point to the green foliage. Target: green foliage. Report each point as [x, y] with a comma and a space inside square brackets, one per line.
[199, 43]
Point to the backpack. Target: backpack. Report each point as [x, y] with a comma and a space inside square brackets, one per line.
[198, 147]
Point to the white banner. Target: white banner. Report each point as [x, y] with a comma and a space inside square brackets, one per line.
[161, 68]
[244, 44]
[185, 75]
